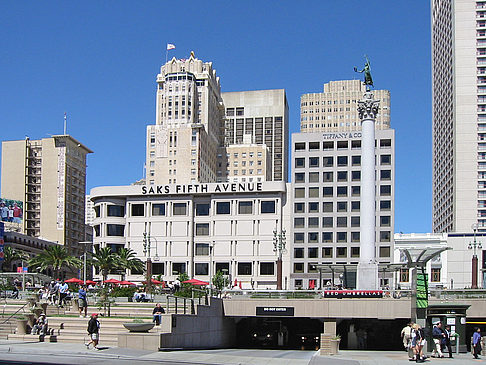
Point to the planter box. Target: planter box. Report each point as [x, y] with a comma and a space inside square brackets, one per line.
[138, 327]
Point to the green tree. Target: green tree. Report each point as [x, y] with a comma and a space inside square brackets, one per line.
[11, 255]
[125, 258]
[220, 282]
[55, 257]
[105, 260]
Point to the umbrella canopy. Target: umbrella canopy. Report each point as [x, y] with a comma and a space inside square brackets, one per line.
[124, 282]
[73, 280]
[153, 281]
[90, 282]
[112, 281]
[195, 282]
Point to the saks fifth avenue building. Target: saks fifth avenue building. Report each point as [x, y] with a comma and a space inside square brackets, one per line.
[198, 229]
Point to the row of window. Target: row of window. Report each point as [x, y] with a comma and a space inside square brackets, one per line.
[341, 237]
[341, 145]
[201, 209]
[341, 191]
[328, 222]
[338, 252]
[341, 161]
[341, 207]
[202, 268]
[341, 176]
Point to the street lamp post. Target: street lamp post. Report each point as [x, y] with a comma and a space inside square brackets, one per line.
[146, 251]
[85, 243]
[473, 246]
[279, 241]
[211, 246]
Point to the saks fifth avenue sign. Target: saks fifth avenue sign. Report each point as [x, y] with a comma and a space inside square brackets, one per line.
[341, 135]
[201, 188]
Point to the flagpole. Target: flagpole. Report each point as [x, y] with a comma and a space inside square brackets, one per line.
[166, 54]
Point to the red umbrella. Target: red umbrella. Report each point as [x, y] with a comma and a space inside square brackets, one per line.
[124, 282]
[73, 281]
[195, 282]
[90, 282]
[153, 281]
[112, 281]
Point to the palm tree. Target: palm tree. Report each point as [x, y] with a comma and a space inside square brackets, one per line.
[55, 257]
[126, 259]
[11, 255]
[105, 260]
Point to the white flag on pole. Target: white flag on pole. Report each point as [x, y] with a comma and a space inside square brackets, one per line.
[170, 46]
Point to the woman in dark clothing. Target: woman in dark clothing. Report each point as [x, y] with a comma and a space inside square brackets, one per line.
[93, 330]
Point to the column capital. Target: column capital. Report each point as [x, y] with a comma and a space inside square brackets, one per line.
[368, 107]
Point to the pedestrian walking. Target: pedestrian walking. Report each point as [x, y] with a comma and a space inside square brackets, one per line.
[406, 335]
[418, 343]
[437, 336]
[476, 342]
[83, 301]
[447, 340]
[63, 292]
[93, 331]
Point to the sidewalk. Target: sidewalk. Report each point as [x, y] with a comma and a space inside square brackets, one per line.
[59, 353]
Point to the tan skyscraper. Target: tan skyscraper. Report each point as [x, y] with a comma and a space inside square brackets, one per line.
[185, 144]
[335, 109]
[49, 177]
[459, 115]
[263, 114]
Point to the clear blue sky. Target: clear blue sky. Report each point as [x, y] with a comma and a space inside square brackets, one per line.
[98, 61]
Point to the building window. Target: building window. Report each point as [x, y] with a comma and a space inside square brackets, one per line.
[97, 211]
[298, 267]
[385, 221]
[404, 275]
[327, 222]
[158, 209]
[342, 161]
[385, 205]
[313, 237]
[299, 192]
[299, 253]
[354, 252]
[314, 192]
[385, 251]
[355, 206]
[299, 208]
[342, 221]
[202, 229]
[267, 268]
[116, 210]
[115, 230]
[300, 162]
[355, 237]
[299, 177]
[312, 267]
[179, 209]
[342, 176]
[435, 277]
[327, 176]
[341, 252]
[327, 252]
[268, 206]
[223, 267]
[178, 268]
[223, 208]
[245, 207]
[385, 190]
[342, 191]
[385, 175]
[244, 268]
[342, 206]
[313, 161]
[202, 209]
[97, 230]
[138, 210]
[313, 177]
[385, 159]
[313, 252]
[385, 236]
[313, 222]
[327, 191]
[355, 190]
[327, 207]
[157, 268]
[201, 268]
[356, 160]
[299, 237]
[202, 249]
[313, 207]
[328, 161]
[341, 236]
[355, 175]
[326, 236]
[298, 222]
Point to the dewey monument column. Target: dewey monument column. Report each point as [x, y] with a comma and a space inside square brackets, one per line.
[367, 275]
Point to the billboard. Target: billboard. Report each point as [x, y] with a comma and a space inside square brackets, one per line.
[11, 210]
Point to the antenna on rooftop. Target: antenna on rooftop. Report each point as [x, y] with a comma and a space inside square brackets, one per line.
[65, 123]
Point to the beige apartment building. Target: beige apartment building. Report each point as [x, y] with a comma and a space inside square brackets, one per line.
[264, 114]
[49, 177]
[248, 162]
[458, 32]
[335, 109]
[186, 143]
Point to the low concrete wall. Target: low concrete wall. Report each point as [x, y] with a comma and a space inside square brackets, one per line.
[209, 328]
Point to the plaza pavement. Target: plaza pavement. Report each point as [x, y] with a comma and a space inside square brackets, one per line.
[14, 352]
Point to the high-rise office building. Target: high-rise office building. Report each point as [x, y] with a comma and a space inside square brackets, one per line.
[49, 177]
[459, 114]
[264, 114]
[335, 109]
[185, 145]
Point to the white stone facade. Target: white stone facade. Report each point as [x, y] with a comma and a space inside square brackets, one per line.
[197, 228]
